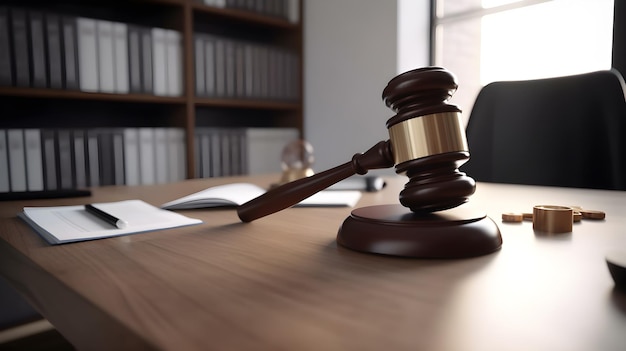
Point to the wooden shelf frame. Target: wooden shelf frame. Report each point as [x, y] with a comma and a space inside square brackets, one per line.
[283, 32]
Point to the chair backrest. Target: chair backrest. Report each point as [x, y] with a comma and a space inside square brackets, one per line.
[566, 131]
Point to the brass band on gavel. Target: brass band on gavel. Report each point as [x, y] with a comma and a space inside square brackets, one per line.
[427, 135]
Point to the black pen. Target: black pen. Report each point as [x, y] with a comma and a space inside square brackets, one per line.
[367, 183]
[118, 223]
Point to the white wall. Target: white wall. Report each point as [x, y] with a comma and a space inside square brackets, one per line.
[413, 34]
[351, 52]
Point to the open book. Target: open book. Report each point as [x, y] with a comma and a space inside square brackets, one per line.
[63, 224]
[239, 193]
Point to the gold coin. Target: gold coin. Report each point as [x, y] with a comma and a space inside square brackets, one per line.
[577, 216]
[592, 214]
[512, 217]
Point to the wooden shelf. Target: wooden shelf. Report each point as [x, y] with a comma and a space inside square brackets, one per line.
[248, 104]
[57, 108]
[35, 93]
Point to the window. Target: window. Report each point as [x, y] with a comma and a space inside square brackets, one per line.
[482, 41]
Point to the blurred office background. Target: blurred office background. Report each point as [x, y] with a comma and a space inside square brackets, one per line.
[354, 47]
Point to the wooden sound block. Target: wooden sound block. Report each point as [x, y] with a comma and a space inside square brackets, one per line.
[395, 230]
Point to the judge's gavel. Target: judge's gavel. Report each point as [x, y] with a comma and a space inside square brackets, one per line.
[426, 142]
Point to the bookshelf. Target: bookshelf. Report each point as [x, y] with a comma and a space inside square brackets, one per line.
[266, 55]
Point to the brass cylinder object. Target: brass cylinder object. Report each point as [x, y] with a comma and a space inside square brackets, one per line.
[427, 135]
[552, 219]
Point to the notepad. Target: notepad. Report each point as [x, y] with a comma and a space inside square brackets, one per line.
[65, 224]
[236, 194]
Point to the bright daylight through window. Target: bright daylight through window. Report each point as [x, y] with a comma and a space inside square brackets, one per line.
[482, 41]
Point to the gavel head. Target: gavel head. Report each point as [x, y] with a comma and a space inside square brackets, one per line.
[427, 140]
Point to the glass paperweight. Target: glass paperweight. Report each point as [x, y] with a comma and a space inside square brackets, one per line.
[297, 161]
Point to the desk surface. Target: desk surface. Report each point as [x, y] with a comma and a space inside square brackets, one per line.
[282, 283]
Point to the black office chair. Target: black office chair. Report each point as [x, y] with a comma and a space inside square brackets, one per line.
[566, 131]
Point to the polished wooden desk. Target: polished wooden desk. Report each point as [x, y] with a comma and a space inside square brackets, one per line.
[282, 283]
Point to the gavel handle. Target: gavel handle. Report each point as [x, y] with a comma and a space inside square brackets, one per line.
[287, 195]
